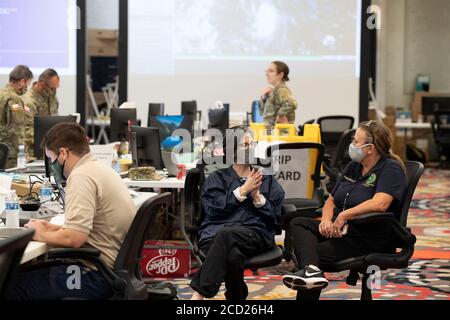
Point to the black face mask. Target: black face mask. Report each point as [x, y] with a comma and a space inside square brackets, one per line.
[58, 171]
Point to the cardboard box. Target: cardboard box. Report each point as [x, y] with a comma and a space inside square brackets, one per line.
[399, 146]
[103, 51]
[165, 259]
[372, 114]
[23, 188]
[104, 34]
[389, 121]
[390, 111]
[100, 43]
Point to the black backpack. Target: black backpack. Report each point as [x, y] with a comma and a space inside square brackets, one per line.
[161, 290]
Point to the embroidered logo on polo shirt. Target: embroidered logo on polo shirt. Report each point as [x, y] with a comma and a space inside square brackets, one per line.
[371, 180]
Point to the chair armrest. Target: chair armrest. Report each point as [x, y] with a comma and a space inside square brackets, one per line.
[403, 233]
[372, 217]
[288, 208]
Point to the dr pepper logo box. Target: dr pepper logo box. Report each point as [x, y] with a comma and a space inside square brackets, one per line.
[165, 259]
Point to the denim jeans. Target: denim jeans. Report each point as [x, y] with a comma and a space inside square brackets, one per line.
[60, 281]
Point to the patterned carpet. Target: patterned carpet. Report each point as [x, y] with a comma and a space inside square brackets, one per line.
[426, 278]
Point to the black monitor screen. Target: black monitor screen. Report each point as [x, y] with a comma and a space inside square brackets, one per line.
[59, 184]
[167, 125]
[432, 104]
[119, 123]
[146, 148]
[42, 125]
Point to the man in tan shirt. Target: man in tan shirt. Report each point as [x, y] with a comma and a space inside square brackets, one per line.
[98, 213]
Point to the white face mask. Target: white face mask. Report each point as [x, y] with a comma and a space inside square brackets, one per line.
[356, 153]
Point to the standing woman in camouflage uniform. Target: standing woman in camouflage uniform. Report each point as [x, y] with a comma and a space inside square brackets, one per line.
[42, 101]
[13, 112]
[277, 104]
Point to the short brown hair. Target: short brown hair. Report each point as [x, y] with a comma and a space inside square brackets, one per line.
[47, 75]
[66, 135]
[20, 72]
[282, 67]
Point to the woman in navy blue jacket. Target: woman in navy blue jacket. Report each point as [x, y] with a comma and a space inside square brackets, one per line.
[374, 182]
[242, 209]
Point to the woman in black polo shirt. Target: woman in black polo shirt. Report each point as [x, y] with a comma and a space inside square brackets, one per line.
[374, 182]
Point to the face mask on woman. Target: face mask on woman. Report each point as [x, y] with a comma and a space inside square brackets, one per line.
[356, 153]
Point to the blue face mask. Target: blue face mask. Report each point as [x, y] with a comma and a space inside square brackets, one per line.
[356, 153]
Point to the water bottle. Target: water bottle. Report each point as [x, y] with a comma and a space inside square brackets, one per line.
[12, 210]
[116, 162]
[21, 158]
[46, 191]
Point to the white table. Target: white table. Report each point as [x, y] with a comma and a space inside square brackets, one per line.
[168, 183]
[412, 125]
[36, 249]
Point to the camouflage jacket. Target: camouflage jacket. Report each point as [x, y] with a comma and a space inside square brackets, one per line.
[14, 117]
[45, 103]
[280, 102]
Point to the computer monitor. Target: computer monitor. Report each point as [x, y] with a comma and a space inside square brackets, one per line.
[146, 148]
[42, 124]
[119, 123]
[168, 124]
[432, 104]
[155, 109]
[219, 119]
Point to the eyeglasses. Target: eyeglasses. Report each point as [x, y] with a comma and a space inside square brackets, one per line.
[368, 125]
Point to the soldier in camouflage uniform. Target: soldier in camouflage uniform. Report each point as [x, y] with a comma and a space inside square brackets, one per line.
[13, 112]
[42, 100]
[277, 104]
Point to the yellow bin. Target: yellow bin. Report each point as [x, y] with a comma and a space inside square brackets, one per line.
[287, 133]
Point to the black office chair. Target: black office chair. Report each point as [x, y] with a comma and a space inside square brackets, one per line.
[11, 252]
[384, 261]
[189, 110]
[334, 164]
[269, 258]
[302, 126]
[441, 133]
[154, 109]
[4, 154]
[299, 206]
[125, 278]
[331, 129]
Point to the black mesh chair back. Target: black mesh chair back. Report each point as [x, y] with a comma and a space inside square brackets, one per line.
[341, 158]
[414, 171]
[11, 252]
[129, 256]
[331, 129]
[189, 110]
[154, 109]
